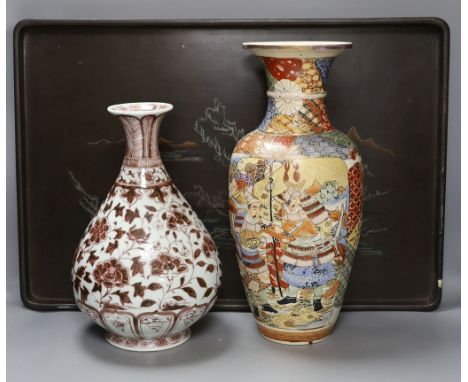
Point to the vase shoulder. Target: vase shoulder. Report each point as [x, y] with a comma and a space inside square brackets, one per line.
[333, 143]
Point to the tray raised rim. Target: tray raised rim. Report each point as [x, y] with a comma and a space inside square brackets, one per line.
[232, 304]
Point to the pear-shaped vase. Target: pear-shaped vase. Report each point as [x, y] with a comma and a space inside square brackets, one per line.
[146, 268]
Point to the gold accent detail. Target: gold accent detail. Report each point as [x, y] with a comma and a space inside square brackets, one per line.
[303, 336]
[291, 95]
[353, 237]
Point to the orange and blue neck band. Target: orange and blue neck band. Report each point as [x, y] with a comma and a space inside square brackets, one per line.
[296, 89]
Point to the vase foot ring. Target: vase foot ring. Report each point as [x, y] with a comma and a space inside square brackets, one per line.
[299, 337]
[157, 344]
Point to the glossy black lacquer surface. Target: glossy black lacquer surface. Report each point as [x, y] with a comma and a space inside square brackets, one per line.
[389, 93]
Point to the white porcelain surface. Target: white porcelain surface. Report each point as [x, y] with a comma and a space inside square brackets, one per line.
[146, 268]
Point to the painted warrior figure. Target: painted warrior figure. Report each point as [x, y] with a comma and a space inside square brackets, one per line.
[295, 221]
[253, 252]
[309, 266]
[306, 261]
[251, 238]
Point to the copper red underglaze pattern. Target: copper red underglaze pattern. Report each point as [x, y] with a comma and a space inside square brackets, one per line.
[141, 137]
[145, 345]
[146, 268]
[295, 203]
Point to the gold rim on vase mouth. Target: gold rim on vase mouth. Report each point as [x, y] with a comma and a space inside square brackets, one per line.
[297, 49]
[299, 45]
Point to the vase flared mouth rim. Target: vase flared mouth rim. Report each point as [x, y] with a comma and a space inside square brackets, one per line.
[297, 48]
[140, 109]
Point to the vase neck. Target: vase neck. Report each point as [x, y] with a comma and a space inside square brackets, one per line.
[141, 140]
[296, 92]
[142, 166]
[141, 121]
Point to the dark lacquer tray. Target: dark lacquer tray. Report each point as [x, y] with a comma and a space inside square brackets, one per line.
[389, 93]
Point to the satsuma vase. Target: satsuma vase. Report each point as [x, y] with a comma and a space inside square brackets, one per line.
[295, 198]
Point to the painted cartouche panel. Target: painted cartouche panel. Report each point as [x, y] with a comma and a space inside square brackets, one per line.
[295, 199]
[295, 232]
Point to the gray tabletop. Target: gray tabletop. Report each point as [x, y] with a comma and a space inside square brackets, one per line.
[366, 346]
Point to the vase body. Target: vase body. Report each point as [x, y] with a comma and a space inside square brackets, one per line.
[295, 199]
[146, 268]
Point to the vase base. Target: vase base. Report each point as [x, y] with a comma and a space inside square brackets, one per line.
[157, 344]
[290, 337]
